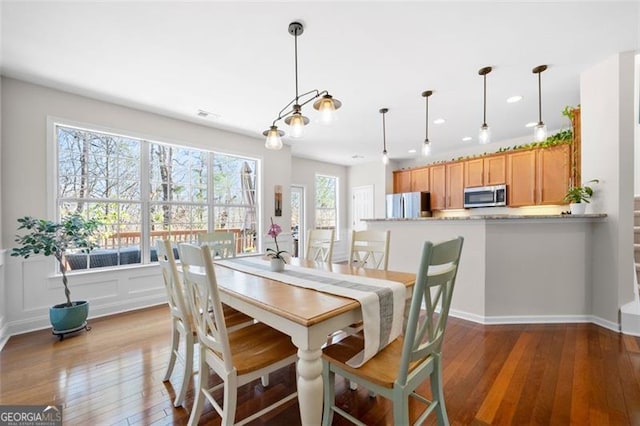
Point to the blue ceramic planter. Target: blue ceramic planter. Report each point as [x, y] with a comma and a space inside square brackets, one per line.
[68, 318]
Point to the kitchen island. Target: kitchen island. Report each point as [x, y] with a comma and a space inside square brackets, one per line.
[513, 269]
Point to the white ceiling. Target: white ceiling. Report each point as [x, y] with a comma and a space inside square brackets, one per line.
[236, 59]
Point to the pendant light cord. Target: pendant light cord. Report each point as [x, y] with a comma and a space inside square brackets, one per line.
[484, 102]
[539, 99]
[384, 134]
[426, 133]
[295, 43]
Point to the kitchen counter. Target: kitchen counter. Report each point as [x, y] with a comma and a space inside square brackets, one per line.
[513, 268]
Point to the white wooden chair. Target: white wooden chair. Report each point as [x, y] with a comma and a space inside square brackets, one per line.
[320, 245]
[222, 244]
[370, 249]
[236, 357]
[397, 370]
[181, 322]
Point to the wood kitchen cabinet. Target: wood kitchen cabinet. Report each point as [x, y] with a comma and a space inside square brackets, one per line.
[521, 178]
[402, 181]
[485, 171]
[553, 174]
[420, 179]
[437, 186]
[474, 172]
[495, 170]
[454, 188]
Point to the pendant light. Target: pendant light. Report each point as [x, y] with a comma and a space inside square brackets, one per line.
[540, 130]
[426, 145]
[385, 156]
[484, 136]
[292, 112]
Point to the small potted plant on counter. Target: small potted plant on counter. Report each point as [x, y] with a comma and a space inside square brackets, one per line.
[579, 197]
[54, 239]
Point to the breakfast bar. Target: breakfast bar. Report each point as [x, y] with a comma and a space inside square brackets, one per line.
[515, 268]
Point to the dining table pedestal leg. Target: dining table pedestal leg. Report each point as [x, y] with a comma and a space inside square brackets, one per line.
[310, 389]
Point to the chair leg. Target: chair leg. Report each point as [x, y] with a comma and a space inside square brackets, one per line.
[437, 392]
[175, 342]
[265, 380]
[188, 370]
[202, 382]
[329, 379]
[400, 407]
[230, 400]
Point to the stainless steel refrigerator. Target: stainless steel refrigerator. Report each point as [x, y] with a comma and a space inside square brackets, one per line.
[408, 205]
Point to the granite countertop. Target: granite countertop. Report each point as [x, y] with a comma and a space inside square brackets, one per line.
[495, 217]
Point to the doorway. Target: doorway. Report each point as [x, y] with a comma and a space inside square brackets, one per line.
[362, 197]
[297, 220]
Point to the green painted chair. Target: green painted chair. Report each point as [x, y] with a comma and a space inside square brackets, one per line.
[397, 370]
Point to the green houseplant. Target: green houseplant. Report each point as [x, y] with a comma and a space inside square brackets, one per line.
[578, 196]
[54, 239]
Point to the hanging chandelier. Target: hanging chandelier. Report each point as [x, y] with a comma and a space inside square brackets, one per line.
[292, 112]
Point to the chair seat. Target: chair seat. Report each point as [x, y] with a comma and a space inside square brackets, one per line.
[234, 318]
[382, 369]
[258, 346]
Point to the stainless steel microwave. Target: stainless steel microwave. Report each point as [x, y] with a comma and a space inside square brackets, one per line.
[485, 196]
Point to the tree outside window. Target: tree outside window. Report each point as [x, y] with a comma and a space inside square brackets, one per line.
[326, 202]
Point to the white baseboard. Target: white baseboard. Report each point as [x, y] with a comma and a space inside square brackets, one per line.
[535, 319]
[42, 322]
[4, 333]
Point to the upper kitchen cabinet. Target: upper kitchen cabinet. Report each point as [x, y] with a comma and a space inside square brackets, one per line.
[437, 186]
[538, 176]
[495, 170]
[554, 171]
[402, 181]
[521, 178]
[454, 185]
[485, 171]
[420, 179]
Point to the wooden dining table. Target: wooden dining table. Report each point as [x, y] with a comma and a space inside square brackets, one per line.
[308, 316]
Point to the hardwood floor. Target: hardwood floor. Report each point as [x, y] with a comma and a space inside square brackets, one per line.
[528, 374]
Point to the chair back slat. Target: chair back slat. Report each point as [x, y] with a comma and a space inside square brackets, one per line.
[204, 301]
[434, 288]
[370, 249]
[222, 244]
[172, 282]
[320, 245]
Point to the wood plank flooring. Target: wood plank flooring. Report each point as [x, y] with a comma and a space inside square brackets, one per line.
[556, 374]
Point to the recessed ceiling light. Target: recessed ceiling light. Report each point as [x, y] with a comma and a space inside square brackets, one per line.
[439, 121]
[467, 138]
[514, 99]
[531, 124]
[412, 151]
[357, 156]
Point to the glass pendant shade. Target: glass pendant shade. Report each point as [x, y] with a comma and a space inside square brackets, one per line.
[426, 148]
[297, 121]
[484, 136]
[274, 138]
[385, 158]
[327, 107]
[540, 132]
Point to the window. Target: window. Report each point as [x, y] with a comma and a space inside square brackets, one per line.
[142, 191]
[326, 202]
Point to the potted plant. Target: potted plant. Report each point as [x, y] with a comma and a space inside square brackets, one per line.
[276, 256]
[54, 239]
[579, 196]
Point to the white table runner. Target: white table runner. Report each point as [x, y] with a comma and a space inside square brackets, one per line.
[382, 301]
